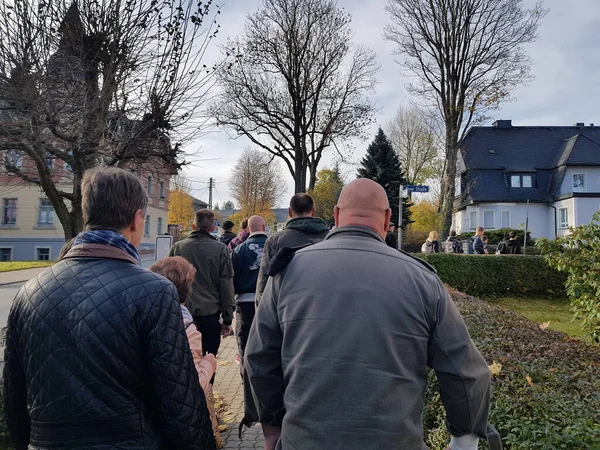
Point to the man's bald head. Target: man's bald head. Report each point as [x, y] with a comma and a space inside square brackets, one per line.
[363, 202]
[256, 224]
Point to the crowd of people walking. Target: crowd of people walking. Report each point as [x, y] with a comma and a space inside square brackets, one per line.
[334, 328]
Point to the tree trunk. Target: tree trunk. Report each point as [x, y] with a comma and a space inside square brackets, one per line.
[448, 184]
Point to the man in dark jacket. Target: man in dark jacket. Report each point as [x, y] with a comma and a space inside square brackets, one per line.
[212, 291]
[390, 237]
[228, 234]
[339, 346]
[477, 241]
[302, 229]
[96, 352]
[246, 259]
[512, 246]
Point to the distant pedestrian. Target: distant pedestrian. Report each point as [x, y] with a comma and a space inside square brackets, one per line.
[502, 249]
[246, 259]
[302, 229]
[431, 244]
[513, 247]
[212, 292]
[477, 241]
[338, 351]
[228, 233]
[241, 236]
[390, 237]
[452, 244]
[96, 351]
[485, 244]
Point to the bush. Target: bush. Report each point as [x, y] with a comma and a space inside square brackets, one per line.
[577, 255]
[498, 275]
[555, 408]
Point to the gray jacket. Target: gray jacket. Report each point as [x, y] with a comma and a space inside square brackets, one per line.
[213, 284]
[298, 231]
[340, 342]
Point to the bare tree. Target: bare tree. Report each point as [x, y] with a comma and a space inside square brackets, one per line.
[467, 57]
[413, 135]
[299, 86]
[99, 82]
[257, 182]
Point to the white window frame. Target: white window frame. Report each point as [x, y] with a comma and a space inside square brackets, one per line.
[512, 181]
[501, 216]
[49, 211]
[12, 252]
[161, 189]
[147, 225]
[579, 188]
[40, 247]
[472, 223]
[530, 178]
[159, 226]
[493, 227]
[149, 185]
[16, 207]
[562, 225]
[14, 158]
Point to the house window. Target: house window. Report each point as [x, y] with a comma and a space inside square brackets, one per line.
[12, 158]
[578, 182]
[159, 230]
[525, 181]
[473, 220]
[6, 254]
[49, 162]
[505, 219]
[46, 213]
[563, 217]
[489, 220]
[149, 186]
[42, 253]
[162, 189]
[147, 226]
[9, 212]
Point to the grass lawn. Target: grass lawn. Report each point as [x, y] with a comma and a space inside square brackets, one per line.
[542, 310]
[20, 265]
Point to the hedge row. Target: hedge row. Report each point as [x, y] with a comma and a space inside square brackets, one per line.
[546, 394]
[495, 236]
[498, 275]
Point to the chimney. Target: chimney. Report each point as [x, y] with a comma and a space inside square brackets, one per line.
[579, 124]
[502, 124]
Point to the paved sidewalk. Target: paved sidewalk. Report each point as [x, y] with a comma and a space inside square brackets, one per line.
[19, 276]
[228, 384]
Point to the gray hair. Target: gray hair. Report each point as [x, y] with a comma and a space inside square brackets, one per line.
[110, 198]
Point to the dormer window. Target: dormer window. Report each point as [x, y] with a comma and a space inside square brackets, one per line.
[578, 182]
[524, 181]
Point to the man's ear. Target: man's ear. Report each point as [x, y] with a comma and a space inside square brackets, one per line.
[312, 213]
[336, 215]
[290, 214]
[388, 216]
[194, 227]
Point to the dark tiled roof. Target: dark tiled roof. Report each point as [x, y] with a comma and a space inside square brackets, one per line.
[490, 155]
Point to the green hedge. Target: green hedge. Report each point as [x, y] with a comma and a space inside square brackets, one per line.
[498, 275]
[547, 393]
[496, 236]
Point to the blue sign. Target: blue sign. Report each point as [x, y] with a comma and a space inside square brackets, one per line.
[416, 188]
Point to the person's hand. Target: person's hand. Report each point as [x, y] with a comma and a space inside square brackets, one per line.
[212, 360]
[226, 330]
[271, 435]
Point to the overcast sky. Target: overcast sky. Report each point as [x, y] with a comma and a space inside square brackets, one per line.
[566, 90]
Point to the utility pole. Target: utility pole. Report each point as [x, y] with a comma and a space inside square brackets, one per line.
[210, 188]
[400, 221]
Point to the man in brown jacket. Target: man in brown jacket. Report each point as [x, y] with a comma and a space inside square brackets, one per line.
[212, 293]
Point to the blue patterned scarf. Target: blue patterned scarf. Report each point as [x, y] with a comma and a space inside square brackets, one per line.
[107, 237]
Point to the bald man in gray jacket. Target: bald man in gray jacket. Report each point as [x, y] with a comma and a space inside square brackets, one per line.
[337, 353]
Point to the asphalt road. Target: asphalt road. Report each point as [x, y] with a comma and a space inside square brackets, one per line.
[8, 292]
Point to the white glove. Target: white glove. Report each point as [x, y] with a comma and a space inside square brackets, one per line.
[468, 442]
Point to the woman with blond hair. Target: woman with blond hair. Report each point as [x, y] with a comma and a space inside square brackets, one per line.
[431, 245]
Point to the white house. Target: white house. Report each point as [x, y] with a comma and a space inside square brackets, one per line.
[549, 174]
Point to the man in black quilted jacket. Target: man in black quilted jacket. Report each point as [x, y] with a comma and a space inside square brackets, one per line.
[96, 353]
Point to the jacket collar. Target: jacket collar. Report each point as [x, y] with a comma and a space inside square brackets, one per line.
[257, 234]
[199, 234]
[354, 230]
[99, 251]
[311, 225]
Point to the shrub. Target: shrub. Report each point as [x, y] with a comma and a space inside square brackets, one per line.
[498, 275]
[556, 408]
[578, 255]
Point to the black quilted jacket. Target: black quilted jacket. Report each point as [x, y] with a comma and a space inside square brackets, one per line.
[97, 357]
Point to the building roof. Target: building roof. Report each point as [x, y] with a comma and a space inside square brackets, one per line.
[490, 155]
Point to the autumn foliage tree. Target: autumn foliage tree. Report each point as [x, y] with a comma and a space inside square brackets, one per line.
[327, 190]
[181, 210]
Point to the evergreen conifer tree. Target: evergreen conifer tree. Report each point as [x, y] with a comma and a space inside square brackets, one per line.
[381, 164]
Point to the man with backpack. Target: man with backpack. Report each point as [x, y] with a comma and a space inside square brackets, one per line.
[453, 245]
